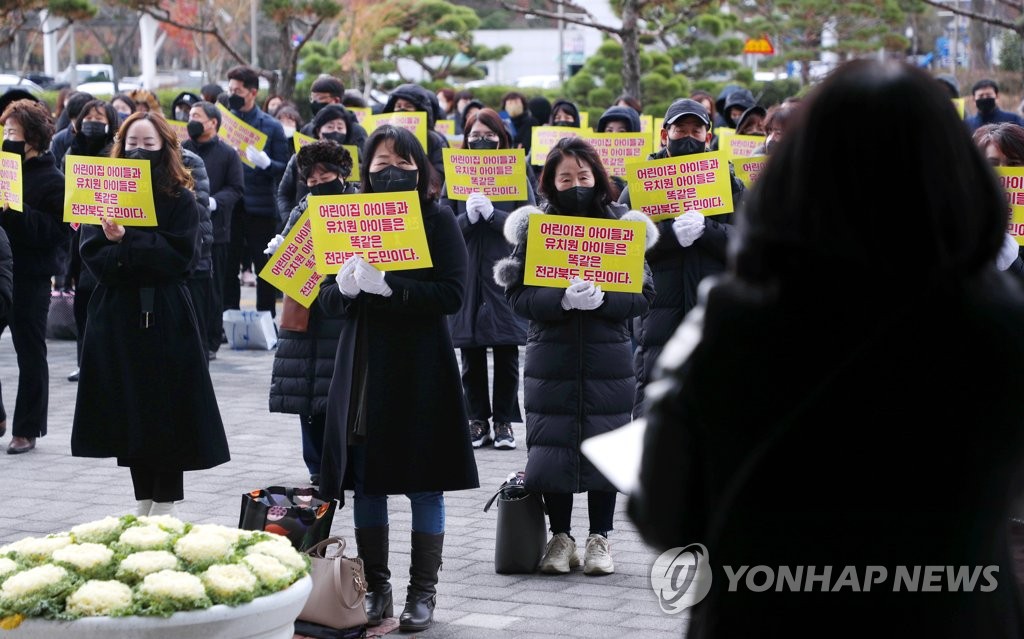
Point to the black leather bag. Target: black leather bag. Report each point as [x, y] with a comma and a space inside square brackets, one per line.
[521, 530]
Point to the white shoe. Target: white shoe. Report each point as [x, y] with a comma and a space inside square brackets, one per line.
[597, 559]
[560, 556]
[163, 508]
[142, 507]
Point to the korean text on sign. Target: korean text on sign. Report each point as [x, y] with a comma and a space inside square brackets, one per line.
[749, 169]
[386, 229]
[10, 181]
[667, 188]
[414, 121]
[180, 129]
[609, 253]
[292, 267]
[545, 137]
[239, 135]
[616, 149]
[743, 146]
[299, 140]
[117, 189]
[1012, 179]
[500, 174]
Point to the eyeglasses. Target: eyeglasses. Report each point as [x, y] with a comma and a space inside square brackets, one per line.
[476, 137]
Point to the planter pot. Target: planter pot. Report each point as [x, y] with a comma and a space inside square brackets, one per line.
[270, 617]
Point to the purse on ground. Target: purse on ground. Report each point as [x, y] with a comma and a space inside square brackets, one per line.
[339, 587]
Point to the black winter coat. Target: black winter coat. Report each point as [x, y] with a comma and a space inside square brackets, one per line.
[417, 432]
[578, 378]
[201, 191]
[145, 394]
[261, 184]
[224, 170]
[6, 276]
[801, 427]
[39, 235]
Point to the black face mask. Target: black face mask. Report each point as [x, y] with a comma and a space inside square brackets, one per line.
[334, 187]
[236, 102]
[315, 106]
[195, 129]
[393, 179]
[139, 153]
[575, 201]
[94, 129]
[482, 144]
[686, 146]
[10, 146]
[334, 136]
[564, 123]
[985, 105]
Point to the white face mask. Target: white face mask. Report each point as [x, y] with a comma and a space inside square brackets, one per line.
[289, 131]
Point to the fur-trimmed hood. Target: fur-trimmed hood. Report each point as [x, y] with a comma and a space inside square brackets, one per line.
[507, 271]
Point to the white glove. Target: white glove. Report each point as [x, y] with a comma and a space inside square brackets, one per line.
[371, 280]
[582, 295]
[478, 204]
[274, 243]
[259, 158]
[347, 277]
[688, 227]
[1008, 252]
[213, 204]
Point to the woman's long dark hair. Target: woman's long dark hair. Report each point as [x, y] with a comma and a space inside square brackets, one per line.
[407, 146]
[491, 120]
[580, 150]
[169, 172]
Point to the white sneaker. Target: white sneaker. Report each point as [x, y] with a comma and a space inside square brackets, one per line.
[560, 556]
[597, 560]
[163, 508]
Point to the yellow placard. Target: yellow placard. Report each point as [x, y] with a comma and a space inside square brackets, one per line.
[647, 123]
[959, 104]
[415, 121]
[292, 267]
[749, 169]
[667, 188]
[1012, 179]
[742, 146]
[500, 174]
[11, 182]
[584, 119]
[609, 253]
[386, 229]
[239, 135]
[300, 140]
[545, 137]
[180, 129]
[361, 113]
[656, 127]
[445, 127]
[114, 188]
[615, 149]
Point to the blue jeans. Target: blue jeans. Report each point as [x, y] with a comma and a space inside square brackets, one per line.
[371, 511]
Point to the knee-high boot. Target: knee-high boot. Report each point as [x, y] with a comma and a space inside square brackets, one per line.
[372, 546]
[419, 602]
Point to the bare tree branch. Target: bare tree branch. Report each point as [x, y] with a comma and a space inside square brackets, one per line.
[967, 13]
[554, 16]
[165, 17]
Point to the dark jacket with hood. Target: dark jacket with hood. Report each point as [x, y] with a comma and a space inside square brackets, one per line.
[739, 98]
[578, 379]
[356, 133]
[425, 101]
[566, 107]
[622, 113]
[723, 95]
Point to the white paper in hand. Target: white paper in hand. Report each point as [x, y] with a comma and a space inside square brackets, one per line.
[617, 455]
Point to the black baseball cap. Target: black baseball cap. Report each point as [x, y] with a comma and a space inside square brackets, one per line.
[685, 106]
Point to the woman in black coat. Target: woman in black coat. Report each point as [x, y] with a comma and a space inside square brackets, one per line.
[396, 419]
[848, 396]
[145, 394]
[36, 235]
[579, 377]
[485, 319]
[304, 360]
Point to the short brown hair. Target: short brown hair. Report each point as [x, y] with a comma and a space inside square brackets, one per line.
[490, 119]
[35, 120]
[174, 174]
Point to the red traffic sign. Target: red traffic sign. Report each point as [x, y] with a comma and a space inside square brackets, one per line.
[759, 46]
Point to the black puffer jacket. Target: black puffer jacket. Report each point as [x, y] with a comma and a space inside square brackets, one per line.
[578, 379]
[201, 189]
[425, 101]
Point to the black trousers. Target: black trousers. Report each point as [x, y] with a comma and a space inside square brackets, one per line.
[162, 486]
[600, 507]
[215, 322]
[83, 293]
[199, 288]
[234, 260]
[27, 320]
[259, 231]
[505, 400]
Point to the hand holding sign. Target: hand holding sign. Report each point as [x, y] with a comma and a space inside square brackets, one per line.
[370, 279]
[688, 228]
[112, 230]
[478, 206]
[347, 277]
[582, 295]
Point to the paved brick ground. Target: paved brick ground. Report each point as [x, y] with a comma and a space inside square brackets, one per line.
[47, 490]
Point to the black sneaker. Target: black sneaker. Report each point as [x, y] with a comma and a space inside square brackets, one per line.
[314, 479]
[479, 432]
[503, 437]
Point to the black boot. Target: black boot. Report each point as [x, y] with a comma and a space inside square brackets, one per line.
[372, 545]
[419, 600]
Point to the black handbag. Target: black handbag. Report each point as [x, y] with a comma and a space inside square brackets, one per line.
[60, 320]
[521, 532]
[300, 514]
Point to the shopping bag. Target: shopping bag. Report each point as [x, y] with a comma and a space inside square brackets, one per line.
[60, 321]
[339, 588]
[254, 330]
[521, 532]
[300, 514]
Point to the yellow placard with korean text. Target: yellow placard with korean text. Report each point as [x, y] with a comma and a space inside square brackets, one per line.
[669, 187]
[959, 104]
[742, 146]
[609, 253]
[239, 135]
[414, 121]
[386, 229]
[300, 140]
[118, 189]
[656, 127]
[180, 129]
[445, 127]
[616, 149]
[1012, 179]
[545, 137]
[11, 183]
[749, 169]
[724, 133]
[584, 119]
[361, 113]
[292, 267]
[500, 174]
[647, 123]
